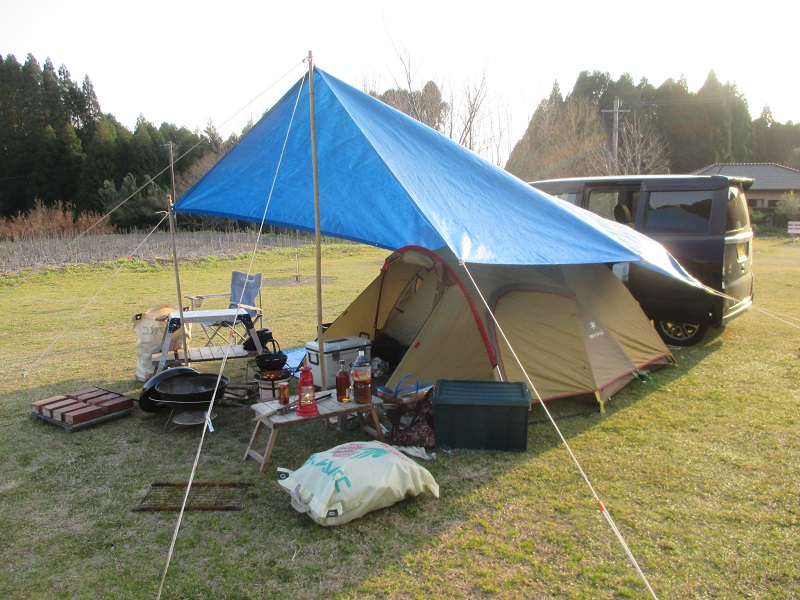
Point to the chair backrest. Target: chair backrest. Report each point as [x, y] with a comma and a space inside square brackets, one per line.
[245, 290]
[622, 214]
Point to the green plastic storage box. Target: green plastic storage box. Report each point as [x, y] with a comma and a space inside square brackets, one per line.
[486, 415]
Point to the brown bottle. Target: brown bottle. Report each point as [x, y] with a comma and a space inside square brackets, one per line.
[342, 384]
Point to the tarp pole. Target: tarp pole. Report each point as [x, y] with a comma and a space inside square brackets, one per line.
[317, 227]
[172, 228]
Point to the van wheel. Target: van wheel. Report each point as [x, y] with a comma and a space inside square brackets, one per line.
[681, 334]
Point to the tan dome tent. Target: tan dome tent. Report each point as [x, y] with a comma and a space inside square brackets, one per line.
[575, 328]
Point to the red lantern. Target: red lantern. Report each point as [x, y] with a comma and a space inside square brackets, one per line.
[306, 402]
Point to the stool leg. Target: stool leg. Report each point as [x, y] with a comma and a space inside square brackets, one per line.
[253, 439]
[268, 452]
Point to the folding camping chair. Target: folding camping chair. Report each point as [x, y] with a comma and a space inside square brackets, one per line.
[245, 293]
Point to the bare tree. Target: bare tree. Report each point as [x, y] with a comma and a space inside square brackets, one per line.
[467, 120]
[563, 139]
[641, 149]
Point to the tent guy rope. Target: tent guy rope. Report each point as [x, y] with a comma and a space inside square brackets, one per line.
[87, 304]
[583, 474]
[226, 353]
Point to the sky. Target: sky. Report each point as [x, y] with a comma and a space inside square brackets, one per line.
[191, 62]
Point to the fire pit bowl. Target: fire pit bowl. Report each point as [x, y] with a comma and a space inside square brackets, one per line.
[190, 388]
[148, 397]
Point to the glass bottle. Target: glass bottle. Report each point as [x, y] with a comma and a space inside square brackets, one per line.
[342, 383]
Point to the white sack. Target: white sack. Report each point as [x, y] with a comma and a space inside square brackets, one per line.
[348, 481]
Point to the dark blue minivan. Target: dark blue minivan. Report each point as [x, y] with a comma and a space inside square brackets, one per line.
[704, 223]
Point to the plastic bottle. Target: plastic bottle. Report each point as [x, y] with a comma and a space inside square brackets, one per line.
[362, 379]
[342, 383]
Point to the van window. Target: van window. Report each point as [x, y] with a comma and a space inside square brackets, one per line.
[570, 197]
[609, 203]
[679, 212]
[738, 217]
[602, 203]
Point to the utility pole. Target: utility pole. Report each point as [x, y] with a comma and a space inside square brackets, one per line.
[615, 138]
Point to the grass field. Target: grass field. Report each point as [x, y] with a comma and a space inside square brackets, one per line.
[699, 470]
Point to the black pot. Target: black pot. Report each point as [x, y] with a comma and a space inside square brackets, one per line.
[271, 361]
[191, 387]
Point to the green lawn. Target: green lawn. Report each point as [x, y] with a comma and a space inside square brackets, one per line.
[698, 470]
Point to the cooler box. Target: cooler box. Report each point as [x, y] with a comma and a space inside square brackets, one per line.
[486, 415]
[336, 349]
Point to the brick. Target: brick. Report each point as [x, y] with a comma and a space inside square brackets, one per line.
[83, 415]
[115, 405]
[40, 404]
[60, 413]
[81, 392]
[102, 398]
[47, 411]
[88, 395]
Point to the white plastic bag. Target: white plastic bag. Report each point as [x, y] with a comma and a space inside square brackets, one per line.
[348, 481]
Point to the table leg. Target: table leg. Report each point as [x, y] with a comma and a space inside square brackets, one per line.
[164, 350]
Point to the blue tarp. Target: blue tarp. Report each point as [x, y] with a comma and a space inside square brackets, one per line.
[388, 180]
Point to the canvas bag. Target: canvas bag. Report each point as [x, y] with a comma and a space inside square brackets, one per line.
[149, 327]
[350, 480]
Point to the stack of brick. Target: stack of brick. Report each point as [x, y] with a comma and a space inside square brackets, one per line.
[81, 407]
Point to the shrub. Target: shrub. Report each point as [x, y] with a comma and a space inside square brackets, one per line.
[58, 220]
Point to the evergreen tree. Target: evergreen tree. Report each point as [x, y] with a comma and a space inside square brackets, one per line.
[148, 154]
[13, 184]
[741, 124]
[132, 208]
[102, 164]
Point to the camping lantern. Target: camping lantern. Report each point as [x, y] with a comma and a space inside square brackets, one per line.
[306, 403]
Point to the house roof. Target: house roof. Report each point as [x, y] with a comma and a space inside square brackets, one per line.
[768, 176]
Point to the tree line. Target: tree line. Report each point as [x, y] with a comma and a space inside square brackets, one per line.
[658, 129]
[57, 147]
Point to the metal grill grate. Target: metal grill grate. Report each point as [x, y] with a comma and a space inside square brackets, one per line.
[202, 496]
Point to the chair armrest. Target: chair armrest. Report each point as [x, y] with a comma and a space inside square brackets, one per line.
[246, 307]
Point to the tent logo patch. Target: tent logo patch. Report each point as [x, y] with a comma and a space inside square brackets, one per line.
[595, 333]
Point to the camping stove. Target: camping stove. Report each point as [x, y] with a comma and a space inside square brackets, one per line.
[269, 382]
